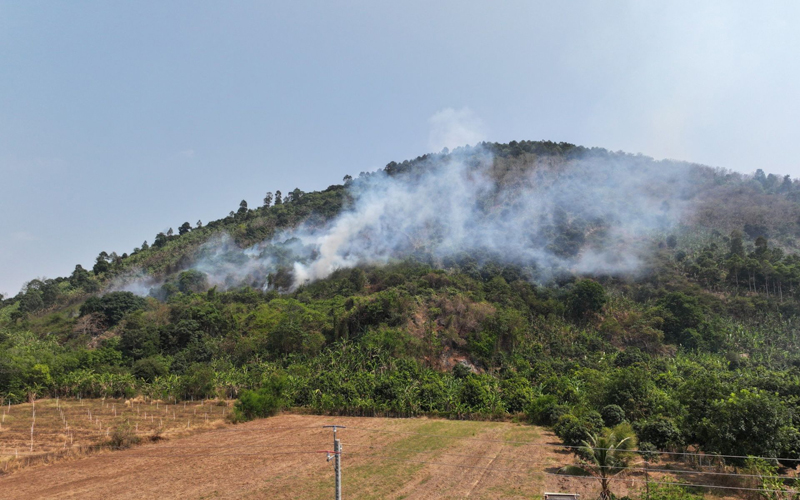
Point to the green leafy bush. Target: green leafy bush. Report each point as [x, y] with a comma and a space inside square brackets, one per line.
[545, 410]
[572, 430]
[612, 415]
[264, 402]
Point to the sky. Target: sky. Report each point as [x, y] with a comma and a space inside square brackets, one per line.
[119, 120]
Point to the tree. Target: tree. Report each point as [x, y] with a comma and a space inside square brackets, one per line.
[278, 199]
[604, 457]
[79, 277]
[160, 241]
[682, 316]
[737, 244]
[192, 281]
[145, 246]
[631, 389]
[268, 200]
[199, 223]
[613, 415]
[242, 208]
[113, 306]
[347, 180]
[50, 292]
[760, 177]
[749, 422]
[587, 297]
[661, 432]
[31, 301]
[101, 264]
[150, 368]
[357, 279]
[786, 185]
[170, 232]
[185, 228]
[762, 247]
[297, 194]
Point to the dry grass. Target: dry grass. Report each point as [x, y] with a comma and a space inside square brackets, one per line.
[277, 458]
[74, 428]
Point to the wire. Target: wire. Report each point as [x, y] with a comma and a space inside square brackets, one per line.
[738, 488]
[549, 445]
[209, 455]
[489, 469]
[632, 468]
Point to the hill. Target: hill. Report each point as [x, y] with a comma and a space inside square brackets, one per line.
[573, 287]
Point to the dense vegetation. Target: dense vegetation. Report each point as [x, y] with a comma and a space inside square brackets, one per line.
[699, 349]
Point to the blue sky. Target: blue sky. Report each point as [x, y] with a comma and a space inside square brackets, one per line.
[121, 119]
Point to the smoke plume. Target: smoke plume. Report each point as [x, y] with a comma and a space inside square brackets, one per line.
[594, 213]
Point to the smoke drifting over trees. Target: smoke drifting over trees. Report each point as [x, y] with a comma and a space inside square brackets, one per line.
[589, 213]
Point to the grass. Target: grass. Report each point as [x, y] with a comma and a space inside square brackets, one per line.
[432, 441]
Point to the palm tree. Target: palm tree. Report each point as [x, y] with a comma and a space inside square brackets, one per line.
[604, 457]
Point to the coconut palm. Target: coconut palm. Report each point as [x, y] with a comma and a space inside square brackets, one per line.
[604, 457]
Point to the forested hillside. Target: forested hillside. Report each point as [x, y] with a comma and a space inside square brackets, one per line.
[578, 287]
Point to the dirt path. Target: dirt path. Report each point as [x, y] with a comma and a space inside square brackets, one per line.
[277, 458]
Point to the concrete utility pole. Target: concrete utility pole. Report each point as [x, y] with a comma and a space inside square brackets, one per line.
[337, 466]
[337, 457]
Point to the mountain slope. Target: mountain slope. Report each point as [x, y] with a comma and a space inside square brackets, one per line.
[578, 286]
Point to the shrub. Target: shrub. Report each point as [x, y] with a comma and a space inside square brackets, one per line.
[475, 393]
[264, 402]
[790, 449]
[198, 382]
[612, 415]
[150, 368]
[461, 370]
[113, 306]
[517, 394]
[659, 431]
[257, 404]
[648, 451]
[545, 410]
[587, 297]
[593, 421]
[124, 436]
[572, 430]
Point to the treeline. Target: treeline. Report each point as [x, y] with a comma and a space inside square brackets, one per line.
[407, 339]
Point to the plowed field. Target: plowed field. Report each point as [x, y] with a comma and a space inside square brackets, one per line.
[279, 458]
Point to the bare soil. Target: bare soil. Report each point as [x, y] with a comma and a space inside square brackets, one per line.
[284, 457]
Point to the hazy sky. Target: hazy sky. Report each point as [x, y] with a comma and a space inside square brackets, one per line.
[122, 119]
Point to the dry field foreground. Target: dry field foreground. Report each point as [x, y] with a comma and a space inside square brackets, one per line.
[49, 429]
[278, 458]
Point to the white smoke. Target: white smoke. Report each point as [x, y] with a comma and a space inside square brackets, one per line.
[592, 214]
[451, 128]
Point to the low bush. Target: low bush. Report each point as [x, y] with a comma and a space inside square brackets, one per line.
[545, 410]
[124, 436]
[572, 430]
[612, 415]
[264, 402]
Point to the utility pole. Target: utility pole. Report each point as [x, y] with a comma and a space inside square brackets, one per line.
[337, 457]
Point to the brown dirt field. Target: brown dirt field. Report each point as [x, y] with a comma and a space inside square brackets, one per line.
[416, 458]
[69, 427]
